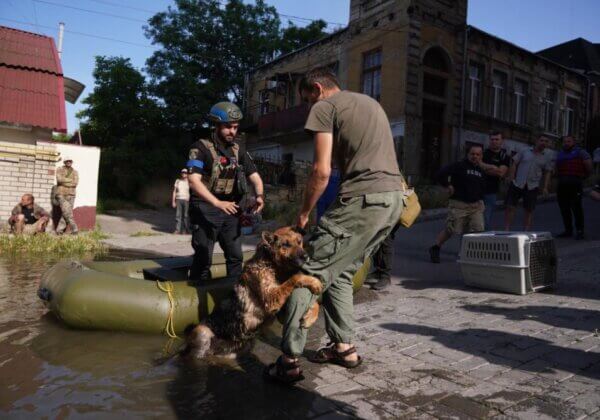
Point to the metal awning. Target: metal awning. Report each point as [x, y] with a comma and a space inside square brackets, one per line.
[73, 89]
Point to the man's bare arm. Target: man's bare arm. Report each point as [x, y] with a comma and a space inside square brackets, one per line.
[319, 178]
[256, 181]
[494, 170]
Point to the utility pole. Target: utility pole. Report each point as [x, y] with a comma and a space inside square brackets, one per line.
[61, 33]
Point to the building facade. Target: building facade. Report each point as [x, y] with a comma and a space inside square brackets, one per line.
[443, 84]
[33, 91]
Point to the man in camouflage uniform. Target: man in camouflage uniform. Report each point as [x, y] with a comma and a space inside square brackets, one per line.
[67, 179]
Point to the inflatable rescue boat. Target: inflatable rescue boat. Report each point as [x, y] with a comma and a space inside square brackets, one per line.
[149, 296]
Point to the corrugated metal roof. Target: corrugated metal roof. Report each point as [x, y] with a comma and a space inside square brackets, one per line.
[31, 81]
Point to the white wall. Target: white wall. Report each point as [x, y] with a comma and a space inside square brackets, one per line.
[23, 135]
[86, 160]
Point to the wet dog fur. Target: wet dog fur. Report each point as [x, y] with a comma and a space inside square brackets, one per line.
[267, 281]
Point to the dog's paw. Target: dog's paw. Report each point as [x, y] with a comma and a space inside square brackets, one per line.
[313, 284]
[310, 317]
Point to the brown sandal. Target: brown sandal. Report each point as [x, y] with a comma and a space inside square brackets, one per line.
[279, 372]
[329, 354]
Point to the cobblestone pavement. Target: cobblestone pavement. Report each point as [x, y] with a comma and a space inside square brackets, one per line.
[434, 348]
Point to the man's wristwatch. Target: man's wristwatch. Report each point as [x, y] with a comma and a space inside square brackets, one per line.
[261, 196]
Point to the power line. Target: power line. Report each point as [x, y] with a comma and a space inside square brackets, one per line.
[292, 17]
[110, 3]
[90, 11]
[80, 33]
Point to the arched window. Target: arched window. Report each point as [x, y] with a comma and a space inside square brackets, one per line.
[437, 59]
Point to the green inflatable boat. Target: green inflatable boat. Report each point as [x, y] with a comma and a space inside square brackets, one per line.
[150, 296]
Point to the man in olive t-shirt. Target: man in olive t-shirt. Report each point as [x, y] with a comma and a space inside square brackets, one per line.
[352, 129]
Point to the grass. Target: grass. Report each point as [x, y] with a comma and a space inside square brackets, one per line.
[144, 233]
[284, 213]
[63, 246]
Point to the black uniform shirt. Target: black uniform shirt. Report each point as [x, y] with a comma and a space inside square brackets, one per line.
[201, 162]
[492, 183]
[467, 179]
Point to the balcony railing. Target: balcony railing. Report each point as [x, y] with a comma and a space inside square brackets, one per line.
[287, 120]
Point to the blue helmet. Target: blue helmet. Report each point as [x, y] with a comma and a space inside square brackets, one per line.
[225, 112]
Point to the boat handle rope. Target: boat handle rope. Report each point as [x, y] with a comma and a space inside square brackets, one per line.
[167, 287]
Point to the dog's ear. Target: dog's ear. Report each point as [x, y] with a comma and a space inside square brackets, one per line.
[299, 230]
[268, 237]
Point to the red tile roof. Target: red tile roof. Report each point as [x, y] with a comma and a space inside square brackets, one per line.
[31, 81]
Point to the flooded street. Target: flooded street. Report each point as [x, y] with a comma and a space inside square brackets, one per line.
[49, 370]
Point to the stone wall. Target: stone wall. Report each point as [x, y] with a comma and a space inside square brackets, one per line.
[25, 168]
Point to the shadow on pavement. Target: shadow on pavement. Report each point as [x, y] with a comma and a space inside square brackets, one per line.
[513, 350]
[561, 317]
[210, 391]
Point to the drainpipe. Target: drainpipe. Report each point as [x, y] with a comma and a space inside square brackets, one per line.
[587, 107]
[61, 33]
[462, 94]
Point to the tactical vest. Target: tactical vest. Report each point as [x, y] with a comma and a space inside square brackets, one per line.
[222, 179]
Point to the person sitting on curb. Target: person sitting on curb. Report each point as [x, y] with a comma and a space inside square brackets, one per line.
[28, 218]
[465, 208]
[67, 179]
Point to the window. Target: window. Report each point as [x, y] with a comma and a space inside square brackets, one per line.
[520, 102]
[547, 110]
[474, 87]
[570, 116]
[498, 94]
[372, 74]
[434, 85]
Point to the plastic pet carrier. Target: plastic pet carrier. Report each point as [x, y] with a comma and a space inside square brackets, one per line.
[513, 262]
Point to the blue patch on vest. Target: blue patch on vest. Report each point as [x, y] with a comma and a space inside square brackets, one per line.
[194, 163]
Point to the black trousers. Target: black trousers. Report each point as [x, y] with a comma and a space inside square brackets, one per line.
[384, 256]
[569, 197]
[210, 225]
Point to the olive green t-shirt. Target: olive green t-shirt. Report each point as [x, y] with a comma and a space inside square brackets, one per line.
[363, 147]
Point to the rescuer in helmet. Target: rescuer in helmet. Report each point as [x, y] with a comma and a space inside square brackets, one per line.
[219, 168]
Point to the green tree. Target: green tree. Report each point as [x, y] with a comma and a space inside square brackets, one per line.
[206, 50]
[118, 106]
[294, 37]
[126, 123]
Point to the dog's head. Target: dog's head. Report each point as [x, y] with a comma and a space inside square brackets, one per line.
[284, 246]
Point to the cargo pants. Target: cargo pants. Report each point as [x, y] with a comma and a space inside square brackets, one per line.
[66, 203]
[350, 230]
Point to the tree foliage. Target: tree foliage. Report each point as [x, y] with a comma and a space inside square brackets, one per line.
[294, 37]
[206, 50]
[206, 47]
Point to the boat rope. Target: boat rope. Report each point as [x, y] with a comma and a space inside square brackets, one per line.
[167, 287]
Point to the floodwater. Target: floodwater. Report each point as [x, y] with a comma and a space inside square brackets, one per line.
[48, 370]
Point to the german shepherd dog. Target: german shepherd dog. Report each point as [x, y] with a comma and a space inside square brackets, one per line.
[267, 281]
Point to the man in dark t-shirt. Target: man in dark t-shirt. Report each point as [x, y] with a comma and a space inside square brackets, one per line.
[495, 165]
[218, 168]
[465, 208]
[27, 217]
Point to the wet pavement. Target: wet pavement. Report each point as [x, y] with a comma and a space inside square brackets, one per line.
[433, 348]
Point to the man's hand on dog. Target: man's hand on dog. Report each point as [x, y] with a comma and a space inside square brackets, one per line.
[228, 207]
[302, 220]
[260, 204]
